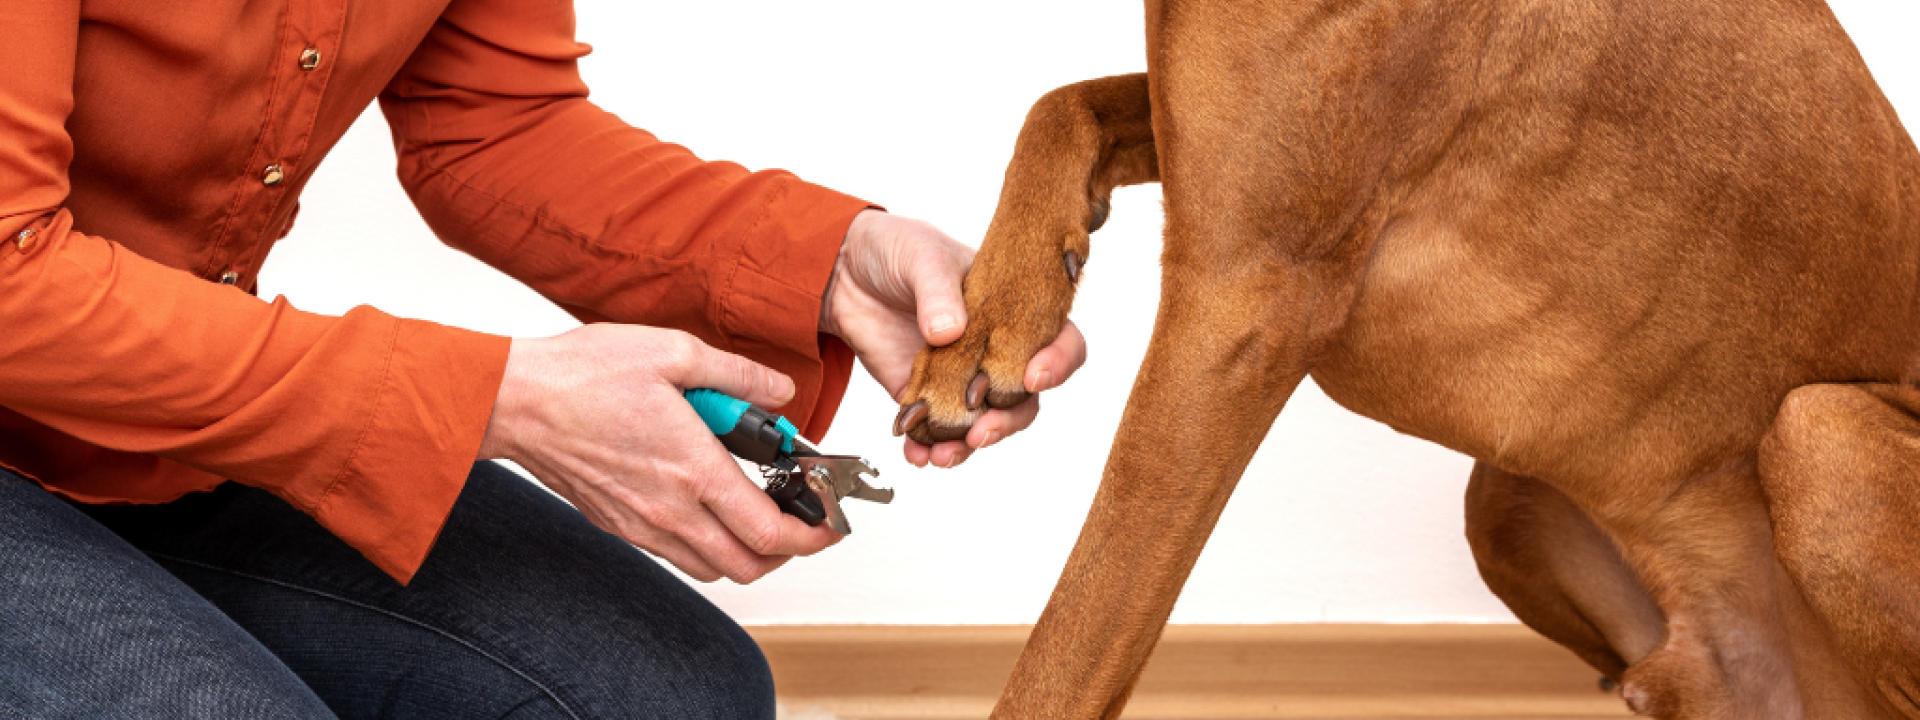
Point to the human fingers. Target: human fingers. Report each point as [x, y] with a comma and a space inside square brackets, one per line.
[707, 484]
[699, 365]
[1056, 362]
[647, 535]
[722, 550]
[934, 272]
[917, 453]
[949, 454]
[760, 526]
[996, 425]
[681, 555]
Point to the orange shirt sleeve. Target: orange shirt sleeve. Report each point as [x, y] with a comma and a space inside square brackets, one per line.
[509, 162]
[366, 422]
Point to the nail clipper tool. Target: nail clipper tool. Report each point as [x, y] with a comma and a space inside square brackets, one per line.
[803, 482]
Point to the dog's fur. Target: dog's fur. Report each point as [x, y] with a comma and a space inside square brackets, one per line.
[1652, 263]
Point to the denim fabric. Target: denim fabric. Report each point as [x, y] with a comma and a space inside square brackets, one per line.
[522, 610]
[90, 628]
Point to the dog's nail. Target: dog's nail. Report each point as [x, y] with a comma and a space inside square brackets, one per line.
[1101, 208]
[1636, 697]
[1072, 260]
[1607, 684]
[910, 417]
[977, 390]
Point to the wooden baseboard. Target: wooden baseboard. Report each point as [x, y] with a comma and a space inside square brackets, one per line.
[872, 672]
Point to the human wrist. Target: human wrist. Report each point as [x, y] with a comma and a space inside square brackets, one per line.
[827, 324]
[857, 231]
[511, 402]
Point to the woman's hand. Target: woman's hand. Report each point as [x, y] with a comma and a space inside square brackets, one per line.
[597, 415]
[896, 289]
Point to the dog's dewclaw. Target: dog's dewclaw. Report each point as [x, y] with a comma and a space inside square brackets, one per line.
[910, 417]
[1072, 261]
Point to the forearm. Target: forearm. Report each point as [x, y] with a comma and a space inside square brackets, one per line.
[659, 238]
[361, 421]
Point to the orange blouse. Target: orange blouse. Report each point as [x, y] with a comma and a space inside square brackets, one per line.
[152, 153]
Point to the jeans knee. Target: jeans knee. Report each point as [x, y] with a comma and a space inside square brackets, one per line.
[733, 678]
[704, 667]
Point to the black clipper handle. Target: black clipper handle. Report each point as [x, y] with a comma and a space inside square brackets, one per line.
[756, 439]
[789, 491]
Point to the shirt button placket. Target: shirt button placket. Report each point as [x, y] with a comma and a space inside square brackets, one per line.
[271, 176]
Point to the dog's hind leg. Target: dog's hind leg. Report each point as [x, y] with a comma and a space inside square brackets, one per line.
[1703, 548]
[1558, 572]
[1841, 472]
[1079, 143]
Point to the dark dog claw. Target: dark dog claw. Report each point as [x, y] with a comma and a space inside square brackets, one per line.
[1072, 260]
[1101, 207]
[977, 390]
[910, 417]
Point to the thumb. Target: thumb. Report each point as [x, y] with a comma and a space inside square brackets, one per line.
[736, 376]
[938, 303]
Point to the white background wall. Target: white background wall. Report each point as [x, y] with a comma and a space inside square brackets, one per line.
[915, 106]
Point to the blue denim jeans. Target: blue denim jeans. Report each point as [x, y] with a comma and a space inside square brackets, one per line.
[233, 604]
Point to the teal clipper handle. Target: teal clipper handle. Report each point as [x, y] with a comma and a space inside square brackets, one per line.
[748, 432]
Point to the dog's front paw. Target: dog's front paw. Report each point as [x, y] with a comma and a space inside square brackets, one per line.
[953, 386]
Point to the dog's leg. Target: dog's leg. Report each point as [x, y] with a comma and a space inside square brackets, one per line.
[1559, 572]
[1205, 396]
[1841, 473]
[1703, 548]
[1270, 220]
[1079, 143]
[1277, 184]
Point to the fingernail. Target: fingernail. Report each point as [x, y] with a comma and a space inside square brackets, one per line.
[782, 387]
[942, 323]
[993, 436]
[1040, 380]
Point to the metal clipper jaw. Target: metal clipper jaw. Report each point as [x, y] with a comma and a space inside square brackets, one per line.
[813, 492]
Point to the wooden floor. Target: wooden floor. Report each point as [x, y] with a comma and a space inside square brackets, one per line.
[1203, 671]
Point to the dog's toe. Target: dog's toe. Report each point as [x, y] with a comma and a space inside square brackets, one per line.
[1006, 399]
[935, 431]
[919, 421]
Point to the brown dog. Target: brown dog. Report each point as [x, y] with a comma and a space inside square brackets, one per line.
[1652, 263]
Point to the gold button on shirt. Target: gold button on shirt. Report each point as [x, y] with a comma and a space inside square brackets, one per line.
[124, 377]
